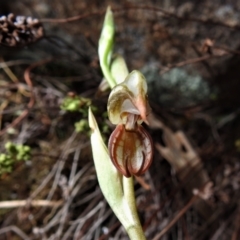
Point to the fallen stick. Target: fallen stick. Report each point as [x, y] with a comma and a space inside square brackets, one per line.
[34, 203]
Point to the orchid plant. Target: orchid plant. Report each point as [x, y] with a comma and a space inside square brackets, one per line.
[130, 148]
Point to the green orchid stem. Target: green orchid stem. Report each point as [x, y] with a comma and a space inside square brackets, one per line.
[135, 231]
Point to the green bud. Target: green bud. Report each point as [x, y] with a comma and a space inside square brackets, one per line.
[105, 47]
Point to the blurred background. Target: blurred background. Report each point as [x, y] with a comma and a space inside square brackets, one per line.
[189, 52]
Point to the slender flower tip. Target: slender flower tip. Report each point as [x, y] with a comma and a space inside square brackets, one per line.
[141, 106]
[137, 84]
[108, 21]
[91, 120]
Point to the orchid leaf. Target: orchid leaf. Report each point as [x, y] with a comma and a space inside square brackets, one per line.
[112, 184]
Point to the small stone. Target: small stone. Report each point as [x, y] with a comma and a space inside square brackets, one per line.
[20, 19]
[29, 20]
[10, 17]
[35, 21]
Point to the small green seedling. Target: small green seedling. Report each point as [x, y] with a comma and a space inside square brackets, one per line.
[76, 104]
[14, 153]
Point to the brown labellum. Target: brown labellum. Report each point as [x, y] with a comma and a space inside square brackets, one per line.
[131, 151]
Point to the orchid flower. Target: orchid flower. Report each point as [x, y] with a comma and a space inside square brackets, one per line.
[130, 146]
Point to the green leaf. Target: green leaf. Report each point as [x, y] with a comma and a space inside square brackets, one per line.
[117, 190]
[119, 68]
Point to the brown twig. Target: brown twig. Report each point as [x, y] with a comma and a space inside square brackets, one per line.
[143, 183]
[177, 217]
[72, 19]
[31, 101]
[191, 61]
[181, 212]
[174, 15]
[189, 176]
[146, 8]
[15, 229]
[226, 49]
[14, 63]
[34, 203]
